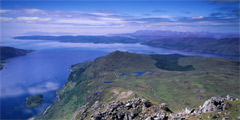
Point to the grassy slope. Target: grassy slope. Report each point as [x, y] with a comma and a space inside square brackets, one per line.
[211, 77]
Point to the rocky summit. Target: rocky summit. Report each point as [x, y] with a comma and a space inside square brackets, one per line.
[142, 109]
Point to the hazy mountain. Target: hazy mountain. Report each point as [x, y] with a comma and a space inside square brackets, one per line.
[156, 34]
[223, 46]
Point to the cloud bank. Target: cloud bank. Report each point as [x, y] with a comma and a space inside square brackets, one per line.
[17, 90]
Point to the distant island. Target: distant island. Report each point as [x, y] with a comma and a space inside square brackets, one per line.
[83, 39]
[158, 34]
[202, 42]
[34, 101]
[10, 52]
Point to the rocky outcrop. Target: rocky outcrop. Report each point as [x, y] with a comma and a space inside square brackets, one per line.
[135, 108]
[142, 109]
[211, 105]
[214, 104]
[82, 111]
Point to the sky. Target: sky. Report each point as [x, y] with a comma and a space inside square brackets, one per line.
[96, 17]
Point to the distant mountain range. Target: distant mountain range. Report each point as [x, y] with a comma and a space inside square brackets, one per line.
[203, 42]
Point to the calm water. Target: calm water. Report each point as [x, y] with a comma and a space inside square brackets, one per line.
[46, 70]
[43, 71]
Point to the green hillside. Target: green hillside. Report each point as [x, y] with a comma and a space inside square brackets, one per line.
[122, 75]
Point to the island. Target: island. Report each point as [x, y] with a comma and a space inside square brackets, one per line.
[10, 52]
[83, 39]
[34, 101]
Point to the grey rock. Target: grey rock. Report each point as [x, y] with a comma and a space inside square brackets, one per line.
[215, 116]
[141, 109]
[147, 104]
[225, 118]
[213, 104]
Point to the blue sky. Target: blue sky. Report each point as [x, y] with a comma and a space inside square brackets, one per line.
[112, 17]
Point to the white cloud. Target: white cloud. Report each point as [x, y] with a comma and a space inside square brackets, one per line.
[57, 44]
[100, 21]
[49, 86]
[191, 23]
[81, 21]
[112, 20]
[6, 19]
[101, 14]
[33, 19]
[4, 11]
[27, 18]
[198, 17]
[164, 16]
[11, 91]
[34, 11]
[62, 17]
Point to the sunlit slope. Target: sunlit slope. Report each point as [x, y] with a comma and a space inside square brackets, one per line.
[188, 82]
